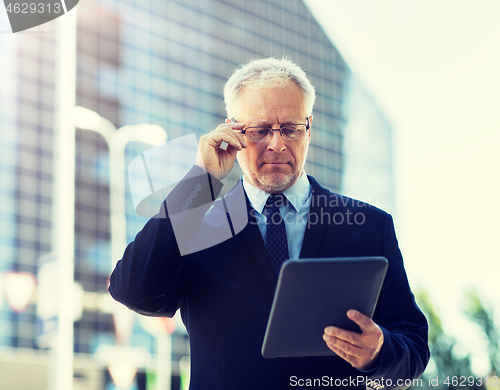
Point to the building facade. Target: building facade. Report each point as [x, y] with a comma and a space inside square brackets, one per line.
[162, 63]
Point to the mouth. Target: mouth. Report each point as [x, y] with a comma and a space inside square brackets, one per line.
[276, 162]
[275, 165]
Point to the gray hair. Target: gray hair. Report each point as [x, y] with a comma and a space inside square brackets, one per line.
[267, 73]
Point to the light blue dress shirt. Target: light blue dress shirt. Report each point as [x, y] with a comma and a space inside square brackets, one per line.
[294, 215]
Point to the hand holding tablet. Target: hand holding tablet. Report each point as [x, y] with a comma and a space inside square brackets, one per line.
[313, 294]
[360, 350]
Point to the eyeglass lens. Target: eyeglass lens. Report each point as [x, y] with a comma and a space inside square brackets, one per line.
[289, 133]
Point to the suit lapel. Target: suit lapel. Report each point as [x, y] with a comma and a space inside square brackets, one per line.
[315, 230]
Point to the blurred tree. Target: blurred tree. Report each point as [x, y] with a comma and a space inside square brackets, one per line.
[483, 316]
[444, 361]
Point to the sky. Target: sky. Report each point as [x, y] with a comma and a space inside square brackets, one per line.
[433, 66]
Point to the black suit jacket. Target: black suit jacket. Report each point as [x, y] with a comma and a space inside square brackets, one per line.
[225, 292]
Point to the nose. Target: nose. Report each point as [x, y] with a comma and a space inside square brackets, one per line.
[276, 143]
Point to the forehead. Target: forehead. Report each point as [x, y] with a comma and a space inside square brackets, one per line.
[271, 104]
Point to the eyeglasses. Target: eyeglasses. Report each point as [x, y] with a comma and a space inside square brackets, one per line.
[290, 132]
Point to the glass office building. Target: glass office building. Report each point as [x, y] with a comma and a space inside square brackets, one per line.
[162, 63]
[366, 148]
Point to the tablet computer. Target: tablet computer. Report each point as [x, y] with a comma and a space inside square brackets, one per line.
[314, 293]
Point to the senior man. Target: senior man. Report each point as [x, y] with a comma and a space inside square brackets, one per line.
[224, 290]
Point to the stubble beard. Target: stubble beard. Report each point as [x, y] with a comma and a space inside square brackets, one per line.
[272, 182]
[275, 183]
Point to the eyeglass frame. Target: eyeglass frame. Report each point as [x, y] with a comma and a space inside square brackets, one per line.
[243, 131]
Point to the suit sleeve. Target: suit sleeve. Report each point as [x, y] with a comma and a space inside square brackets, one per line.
[149, 277]
[405, 352]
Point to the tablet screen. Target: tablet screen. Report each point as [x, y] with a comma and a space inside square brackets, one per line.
[314, 293]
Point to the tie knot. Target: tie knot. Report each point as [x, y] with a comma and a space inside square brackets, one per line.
[276, 200]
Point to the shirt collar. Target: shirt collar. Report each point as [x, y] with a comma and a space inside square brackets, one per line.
[297, 194]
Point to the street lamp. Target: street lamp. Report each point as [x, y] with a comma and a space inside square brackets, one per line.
[19, 288]
[117, 140]
[64, 198]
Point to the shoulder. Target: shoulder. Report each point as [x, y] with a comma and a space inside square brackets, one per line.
[324, 198]
[231, 207]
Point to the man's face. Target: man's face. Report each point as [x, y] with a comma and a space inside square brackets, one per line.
[275, 165]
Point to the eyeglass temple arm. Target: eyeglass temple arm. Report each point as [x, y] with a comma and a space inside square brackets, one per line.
[242, 131]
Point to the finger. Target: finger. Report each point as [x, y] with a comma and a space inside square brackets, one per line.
[354, 361]
[348, 358]
[344, 346]
[215, 139]
[351, 359]
[342, 334]
[364, 322]
[233, 141]
[237, 127]
[230, 126]
[234, 130]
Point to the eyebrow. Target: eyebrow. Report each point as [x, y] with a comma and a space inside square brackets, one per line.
[261, 123]
[266, 124]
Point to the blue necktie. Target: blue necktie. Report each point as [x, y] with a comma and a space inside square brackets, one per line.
[276, 242]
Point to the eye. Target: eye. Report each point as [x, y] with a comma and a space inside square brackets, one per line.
[261, 130]
[292, 128]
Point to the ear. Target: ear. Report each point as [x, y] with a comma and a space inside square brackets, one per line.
[228, 121]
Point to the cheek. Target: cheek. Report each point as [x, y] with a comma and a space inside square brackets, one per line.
[241, 155]
[248, 155]
[301, 153]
